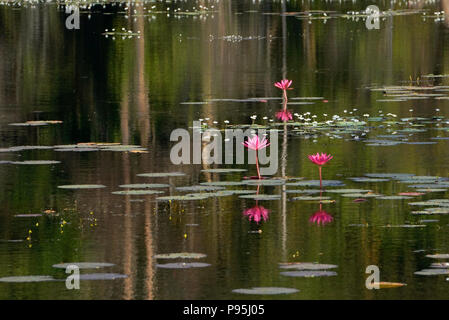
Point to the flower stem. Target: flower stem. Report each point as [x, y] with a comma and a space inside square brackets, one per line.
[321, 180]
[257, 166]
[285, 98]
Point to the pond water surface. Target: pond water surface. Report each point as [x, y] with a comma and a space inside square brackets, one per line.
[219, 65]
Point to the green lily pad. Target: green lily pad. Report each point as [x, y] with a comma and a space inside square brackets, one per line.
[82, 186]
[306, 266]
[181, 255]
[102, 276]
[316, 183]
[362, 179]
[183, 198]
[261, 196]
[309, 273]
[438, 256]
[305, 191]
[432, 272]
[18, 279]
[144, 185]
[183, 265]
[348, 191]
[310, 198]
[223, 170]
[223, 183]
[266, 290]
[199, 188]
[161, 174]
[394, 198]
[266, 182]
[83, 265]
[35, 162]
[137, 192]
[361, 195]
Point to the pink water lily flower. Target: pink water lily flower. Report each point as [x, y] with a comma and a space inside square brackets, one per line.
[321, 217]
[257, 213]
[284, 115]
[255, 143]
[284, 84]
[320, 159]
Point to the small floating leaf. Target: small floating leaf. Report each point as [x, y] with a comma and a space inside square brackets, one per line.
[306, 266]
[137, 192]
[266, 290]
[183, 265]
[84, 265]
[309, 274]
[82, 186]
[223, 170]
[161, 174]
[35, 162]
[181, 255]
[144, 185]
[27, 279]
[438, 256]
[102, 276]
[261, 196]
[432, 272]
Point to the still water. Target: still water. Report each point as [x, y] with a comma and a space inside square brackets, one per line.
[136, 90]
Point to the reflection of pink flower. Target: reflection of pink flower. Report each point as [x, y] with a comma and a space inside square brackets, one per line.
[321, 217]
[320, 159]
[284, 115]
[257, 213]
[284, 84]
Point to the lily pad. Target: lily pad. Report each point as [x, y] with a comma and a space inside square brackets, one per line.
[316, 183]
[348, 191]
[310, 198]
[137, 192]
[432, 272]
[309, 273]
[183, 265]
[393, 198]
[35, 162]
[261, 196]
[82, 186]
[438, 256]
[362, 179]
[31, 215]
[199, 188]
[361, 195]
[181, 255]
[27, 279]
[223, 170]
[267, 182]
[266, 290]
[161, 174]
[144, 185]
[186, 197]
[102, 276]
[84, 265]
[306, 266]
[223, 183]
